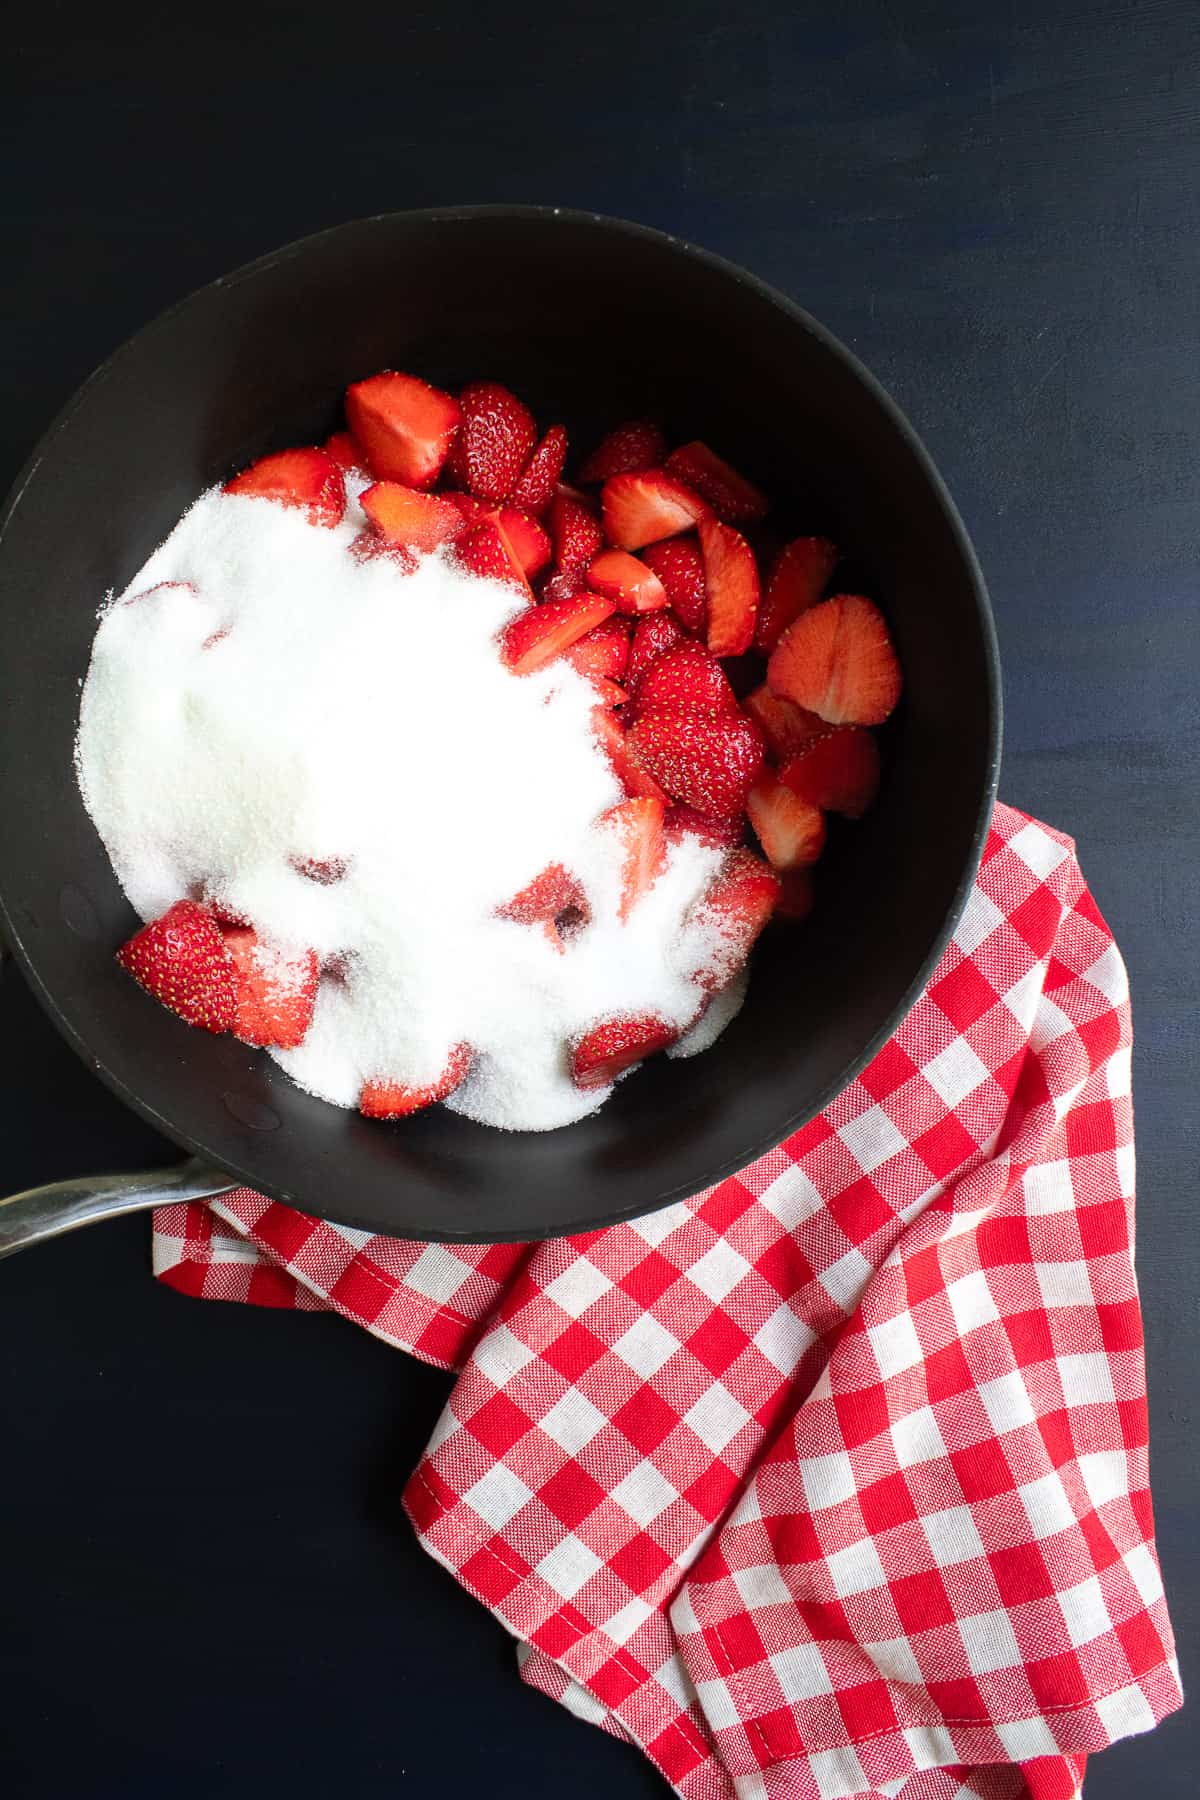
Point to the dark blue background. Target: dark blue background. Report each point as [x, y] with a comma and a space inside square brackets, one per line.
[208, 1587]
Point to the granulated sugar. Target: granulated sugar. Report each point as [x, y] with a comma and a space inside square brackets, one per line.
[259, 702]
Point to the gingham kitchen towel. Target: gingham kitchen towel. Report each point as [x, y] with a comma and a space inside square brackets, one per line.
[833, 1479]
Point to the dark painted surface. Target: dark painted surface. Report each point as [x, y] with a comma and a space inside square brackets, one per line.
[208, 1587]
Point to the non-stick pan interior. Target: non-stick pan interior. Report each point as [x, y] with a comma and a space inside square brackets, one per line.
[590, 321]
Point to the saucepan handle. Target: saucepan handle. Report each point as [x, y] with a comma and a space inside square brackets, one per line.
[47, 1212]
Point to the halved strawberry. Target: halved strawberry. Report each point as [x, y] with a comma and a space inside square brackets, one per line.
[639, 509]
[790, 830]
[731, 496]
[838, 771]
[486, 551]
[308, 479]
[637, 444]
[686, 677]
[786, 726]
[838, 660]
[537, 636]
[627, 582]
[603, 653]
[653, 633]
[344, 449]
[405, 515]
[535, 489]
[495, 440]
[680, 567]
[638, 827]
[722, 834]
[796, 895]
[731, 582]
[798, 578]
[706, 760]
[739, 901]
[575, 532]
[276, 992]
[613, 740]
[556, 899]
[610, 1048]
[181, 959]
[395, 1100]
[405, 426]
[527, 540]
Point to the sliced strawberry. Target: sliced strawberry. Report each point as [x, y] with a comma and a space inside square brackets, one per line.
[496, 439]
[275, 992]
[535, 489]
[627, 769]
[796, 895]
[371, 546]
[555, 899]
[345, 450]
[680, 567]
[395, 1100]
[790, 830]
[610, 1048]
[638, 444]
[628, 583]
[486, 551]
[786, 726]
[308, 479]
[798, 578]
[181, 959]
[639, 509]
[405, 515]
[527, 540]
[722, 834]
[653, 633]
[603, 653]
[324, 870]
[537, 636]
[405, 426]
[738, 903]
[731, 496]
[608, 693]
[575, 533]
[838, 771]
[731, 582]
[685, 677]
[559, 586]
[637, 826]
[706, 760]
[838, 660]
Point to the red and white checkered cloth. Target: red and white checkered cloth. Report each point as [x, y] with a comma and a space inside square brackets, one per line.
[832, 1480]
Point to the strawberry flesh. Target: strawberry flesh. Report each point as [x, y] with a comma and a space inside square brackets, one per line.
[635, 445]
[680, 567]
[640, 509]
[405, 426]
[708, 761]
[786, 726]
[627, 582]
[604, 652]
[798, 578]
[343, 449]
[537, 636]
[731, 583]
[610, 1048]
[638, 827]
[308, 479]
[496, 439]
[838, 660]
[737, 905]
[275, 992]
[556, 900]
[395, 1100]
[628, 770]
[838, 771]
[734, 499]
[181, 959]
[485, 550]
[790, 830]
[405, 515]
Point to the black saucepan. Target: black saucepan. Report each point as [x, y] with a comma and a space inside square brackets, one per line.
[590, 320]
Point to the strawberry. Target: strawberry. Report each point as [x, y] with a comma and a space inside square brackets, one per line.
[613, 1046]
[526, 539]
[535, 489]
[786, 726]
[495, 440]
[797, 580]
[638, 444]
[405, 515]
[796, 895]
[731, 496]
[555, 899]
[275, 992]
[537, 636]
[790, 830]
[722, 834]
[637, 826]
[308, 479]
[575, 533]
[603, 653]
[731, 582]
[181, 959]
[628, 771]
[560, 586]
[738, 903]
[371, 546]
[405, 426]
[608, 693]
[628, 583]
[395, 1100]
[680, 567]
[324, 870]
[638, 509]
[838, 660]
[706, 760]
[685, 677]
[343, 449]
[485, 551]
[653, 633]
[838, 771]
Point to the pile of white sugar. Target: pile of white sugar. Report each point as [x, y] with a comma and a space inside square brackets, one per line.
[258, 699]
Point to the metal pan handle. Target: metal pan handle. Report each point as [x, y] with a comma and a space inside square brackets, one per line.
[47, 1212]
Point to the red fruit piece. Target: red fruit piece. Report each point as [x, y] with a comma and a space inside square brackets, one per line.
[739, 901]
[722, 834]
[526, 539]
[405, 515]
[324, 870]
[838, 660]
[343, 449]
[608, 693]
[535, 489]
[786, 726]
[638, 444]
[790, 830]
[798, 578]
[495, 440]
[603, 653]
[796, 895]
[537, 636]
[680, 567]
[275, 992]
[628, 771]
[181, 959]
[639, 509]
[575, 533]
[706, 760]
[685, 677]
[555, 899]
[653, 633]
[731, 581]
[370, 546]
[838, 772]
[731, 496]
[610, 1048]
[308, 479]
[628, 583]
[486, 551]
[638, 827]
[405, 426]
[395, 1100]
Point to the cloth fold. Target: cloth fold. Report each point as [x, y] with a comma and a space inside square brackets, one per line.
[831, 1480]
